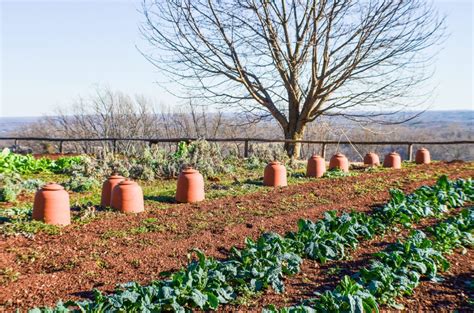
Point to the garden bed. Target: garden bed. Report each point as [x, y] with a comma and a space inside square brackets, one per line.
[452, 293]
[115, 248]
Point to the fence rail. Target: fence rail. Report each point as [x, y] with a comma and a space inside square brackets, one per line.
[246, 142]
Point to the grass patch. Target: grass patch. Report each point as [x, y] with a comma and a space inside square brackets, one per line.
[30, 227]
[148, 225]
[17, 221]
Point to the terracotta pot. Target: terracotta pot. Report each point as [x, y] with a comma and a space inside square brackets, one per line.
[51, 205]
[393, 160]
[275, 175]
[107, 188]
[371, 159]
[339, 161]
[127, 197]
[316, 166]
[190, 186]
[422, 156]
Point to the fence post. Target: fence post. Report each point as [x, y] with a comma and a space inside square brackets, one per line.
[410, 152]
[323, 151]
[15, 143]
[114, 144]
[246, 149]
[61, 146]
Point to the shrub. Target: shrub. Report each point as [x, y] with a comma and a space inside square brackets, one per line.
[154, 162]
[12, 185]
[81, 183]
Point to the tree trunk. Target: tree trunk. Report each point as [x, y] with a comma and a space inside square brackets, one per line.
[294, 149]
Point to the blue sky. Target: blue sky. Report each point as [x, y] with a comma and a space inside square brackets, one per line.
[53, 51]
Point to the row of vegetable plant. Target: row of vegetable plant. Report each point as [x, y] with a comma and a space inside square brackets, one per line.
[12, 165]
[27, 164]
[206, 283]
[395, 272]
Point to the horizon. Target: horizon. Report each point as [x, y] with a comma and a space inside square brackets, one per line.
[230, 112]
[56, 51]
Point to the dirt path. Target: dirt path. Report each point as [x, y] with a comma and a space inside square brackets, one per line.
[118, 248]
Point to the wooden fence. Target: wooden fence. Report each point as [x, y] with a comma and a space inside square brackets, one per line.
[246, 141]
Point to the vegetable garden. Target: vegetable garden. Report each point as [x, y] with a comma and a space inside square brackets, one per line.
[247, 247]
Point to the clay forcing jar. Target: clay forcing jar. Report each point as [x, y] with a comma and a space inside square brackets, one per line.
[190, 186]
[316, 166]
[422, 156]
[274, 175]
[371, 159]
[339, 161]
[127, 197]
[107, 188]
[51, 205]
[392, 160]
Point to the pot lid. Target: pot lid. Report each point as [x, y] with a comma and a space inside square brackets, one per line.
[189, 170]
[51, 186]
[116, 176]
[274, 162]
[127, 182]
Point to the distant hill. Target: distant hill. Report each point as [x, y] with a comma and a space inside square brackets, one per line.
[8, 124]
[432, 118]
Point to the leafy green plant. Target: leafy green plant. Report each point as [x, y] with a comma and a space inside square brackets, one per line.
[182, 150]
[395, 272]
[32, 184]
[348, 296]
[12, 185]
[455, 233]
[263, 263]
[328, 239]
[81, 183]
[27, 164]
[15, 221]
[425, 201]
[336, 172]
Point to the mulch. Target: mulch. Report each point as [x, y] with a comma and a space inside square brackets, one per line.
[83, 257]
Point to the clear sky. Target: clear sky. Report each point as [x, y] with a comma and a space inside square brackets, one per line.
[54, 51]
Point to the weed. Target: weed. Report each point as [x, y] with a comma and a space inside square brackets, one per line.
[148, 225]
[29, 256]
[114, 234]
[135, 263]
[8, 275]
[101, 263]
[29, 228]
[335, 270]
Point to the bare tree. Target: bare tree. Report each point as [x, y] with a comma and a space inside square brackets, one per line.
[296, 60]
[106, 114]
